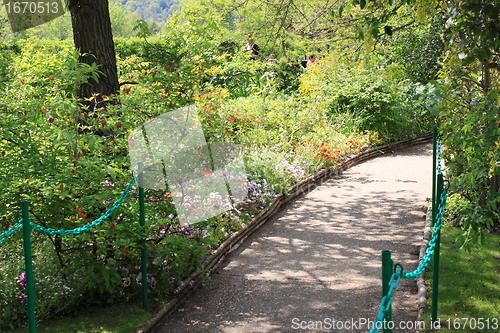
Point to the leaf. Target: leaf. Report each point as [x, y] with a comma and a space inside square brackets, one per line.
[105, 274]
[362, 4]
[341, 9]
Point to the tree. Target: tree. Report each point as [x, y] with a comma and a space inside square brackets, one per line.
[471, 89]
[93, 38]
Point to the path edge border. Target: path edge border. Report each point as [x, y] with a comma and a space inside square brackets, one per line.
[421, 285]
[215, 260]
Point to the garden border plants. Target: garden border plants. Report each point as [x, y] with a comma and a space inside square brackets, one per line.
[215, 260]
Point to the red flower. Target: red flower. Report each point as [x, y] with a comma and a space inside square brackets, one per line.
[73, 218]
[118, 125]
[168, 195]
[112, 226]
[83, 216]
[206, 173]
[127, 90]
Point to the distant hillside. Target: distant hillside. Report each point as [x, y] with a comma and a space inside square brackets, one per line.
[151, 10]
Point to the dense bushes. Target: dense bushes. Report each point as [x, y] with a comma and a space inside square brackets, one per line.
[470, 130]
[71, 163]
[374, 99]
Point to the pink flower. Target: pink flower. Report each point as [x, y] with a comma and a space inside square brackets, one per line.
[22, 280]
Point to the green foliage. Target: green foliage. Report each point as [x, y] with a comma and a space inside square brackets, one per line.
[7, 54]
[417, 49]
[470, 117]
[476, 25]
[370, 94]
[470, 133]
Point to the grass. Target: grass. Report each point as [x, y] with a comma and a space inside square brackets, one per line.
[469, 285]
[117, 318]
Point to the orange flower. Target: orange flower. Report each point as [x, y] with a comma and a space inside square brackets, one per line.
[206, 173]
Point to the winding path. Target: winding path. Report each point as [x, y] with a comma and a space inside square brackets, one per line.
[318, 259]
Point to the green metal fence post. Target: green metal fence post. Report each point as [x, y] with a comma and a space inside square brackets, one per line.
[30, 285]
[434, 175]
[435, 273]
[387, 271]
[435, 198]
[142, 222]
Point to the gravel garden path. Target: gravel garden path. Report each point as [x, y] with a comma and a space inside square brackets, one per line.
[315, 266]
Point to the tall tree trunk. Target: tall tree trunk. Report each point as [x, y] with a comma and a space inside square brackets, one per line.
[94, 39]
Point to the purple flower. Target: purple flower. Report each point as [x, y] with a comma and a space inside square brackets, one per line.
[22, 298]
[21, 282]
[191, 283]
[152, 282]
[166, 269]
[126, 282]
[107, 183]
[172, 279]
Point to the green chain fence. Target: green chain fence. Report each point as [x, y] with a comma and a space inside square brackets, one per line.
[50, 231]
[24, 223]
[11, 231]
[393, 273]
[87, 227]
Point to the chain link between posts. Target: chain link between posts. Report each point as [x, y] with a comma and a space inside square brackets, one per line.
[11, 231]
[87, 227]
